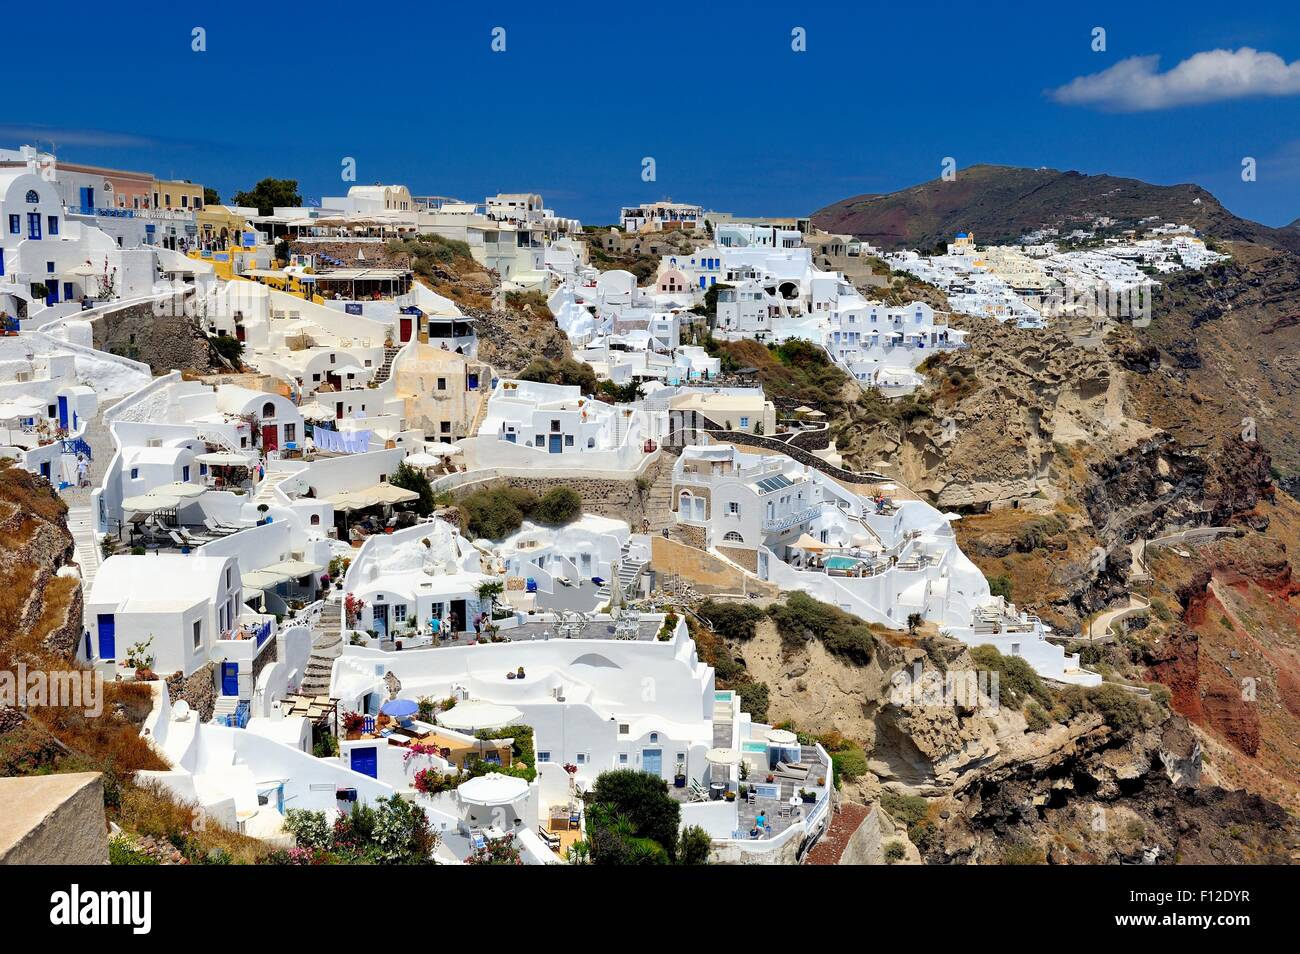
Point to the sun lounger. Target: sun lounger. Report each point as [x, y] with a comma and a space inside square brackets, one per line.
[218, 529]
[552, 841]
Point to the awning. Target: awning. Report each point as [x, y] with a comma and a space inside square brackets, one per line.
[492, 790]
[261, 580]
[468, 716]
[293, 569]
[222, 459]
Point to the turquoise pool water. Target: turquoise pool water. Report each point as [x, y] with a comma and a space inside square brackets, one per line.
[841, 563]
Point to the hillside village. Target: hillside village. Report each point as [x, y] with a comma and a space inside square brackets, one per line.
[354, 541]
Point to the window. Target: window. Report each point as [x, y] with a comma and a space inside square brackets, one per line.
[135, 473]
[544, 756]
[555, 427]
[198, 633]
[268, 409]
[227, 577]
[654, 736]
[49, 268]
[568, 440]
[290, 433]
[33, 197]
[731, 536]
[540, 441]
[315, 520]
[744, 422]
[399, 612]
[681, 757]
[580, 758]
[444, 427]
[52, 221]
[442, 384]
[733, 508]
[15, 225]
[591, 442]
[622, 758]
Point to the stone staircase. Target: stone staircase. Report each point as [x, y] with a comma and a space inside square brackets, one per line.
[659, 499]
[629, 572]
[327, 645]
[386, 368]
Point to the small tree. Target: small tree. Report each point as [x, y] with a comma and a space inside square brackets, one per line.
[410, 478]
[559, 505]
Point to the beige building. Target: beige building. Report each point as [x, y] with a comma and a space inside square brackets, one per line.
[712, 409]
[444, 393]
[177, 194]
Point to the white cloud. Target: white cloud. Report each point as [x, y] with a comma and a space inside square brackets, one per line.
[1135, 84]
[73, 137]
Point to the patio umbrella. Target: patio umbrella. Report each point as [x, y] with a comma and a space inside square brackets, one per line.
[722, 756]
[315, 411]
[179, 489]
[806, 542]
[782, 737]
[11, 411]
[421, 459]
[443, 449]
[400, 708]
[493, 789]
[150, 503]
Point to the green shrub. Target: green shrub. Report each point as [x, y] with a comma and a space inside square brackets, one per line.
[801, 617]
[1000, 586]
[567, 371]
[495, 512]
[122, 852]
[753, 699]
[731, 620]
[559, 505]
[849, 763]
[894, 852]
[1017, 680]
[1036, 718]
[410, 478]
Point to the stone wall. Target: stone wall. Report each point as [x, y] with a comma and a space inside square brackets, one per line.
[707, 573]
[866, 845]
[791, 450]
[164, 343]
[53, 820]
[199, 690]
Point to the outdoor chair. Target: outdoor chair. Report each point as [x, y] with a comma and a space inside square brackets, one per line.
[552, 840]
[218, 529]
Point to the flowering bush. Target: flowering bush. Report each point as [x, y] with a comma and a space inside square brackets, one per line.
[352, 607]
[570, 768]
[353, 721]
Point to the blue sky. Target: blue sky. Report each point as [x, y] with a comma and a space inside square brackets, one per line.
[734, 119]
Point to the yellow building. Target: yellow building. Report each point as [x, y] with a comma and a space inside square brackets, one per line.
[177, 194]
[445, 393]
[221, 225]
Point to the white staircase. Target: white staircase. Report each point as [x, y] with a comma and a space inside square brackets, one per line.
[224, 706]
[81, 524]
[272, 480]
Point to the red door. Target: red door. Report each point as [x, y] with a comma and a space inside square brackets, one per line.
[406, 329]
[269, 438]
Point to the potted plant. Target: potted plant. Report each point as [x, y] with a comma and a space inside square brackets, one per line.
[770, 777]
[352, 724]
[679, 776]
[520, 673]
[807, 796]
[730, 796]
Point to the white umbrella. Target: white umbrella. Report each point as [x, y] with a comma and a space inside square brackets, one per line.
[149, 503]
[493, 789]
[782, 737]
[181, 490]
[443, 449]
[84, 270]
[421, 459]
[722, 756]
[315, 411]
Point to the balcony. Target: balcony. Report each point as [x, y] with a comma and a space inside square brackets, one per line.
[778, 524]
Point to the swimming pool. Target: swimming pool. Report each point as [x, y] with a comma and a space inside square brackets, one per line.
[841, 563]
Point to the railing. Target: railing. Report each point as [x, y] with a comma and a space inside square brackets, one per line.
[778, 524]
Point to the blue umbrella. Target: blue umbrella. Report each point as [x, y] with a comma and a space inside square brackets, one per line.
[399, 708]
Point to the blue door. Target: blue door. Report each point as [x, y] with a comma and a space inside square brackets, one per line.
[366, 761]
[652, 761]
[52, 293]
[107, 636]
[471, 380]
[33, 225]
[67, 291]
[87, 200]
[229, 679]
[557, 443]
[63, 411]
